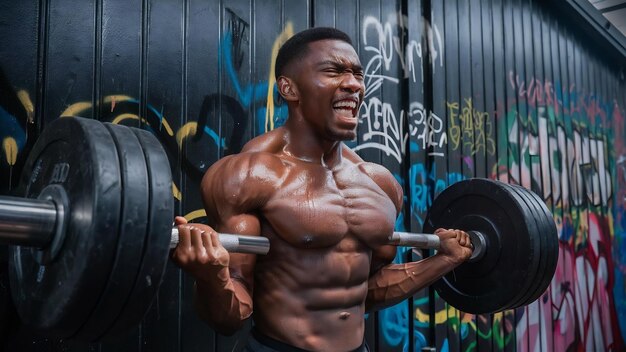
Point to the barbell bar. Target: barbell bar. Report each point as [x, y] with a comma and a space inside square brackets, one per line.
[35, 222]
[92, 234]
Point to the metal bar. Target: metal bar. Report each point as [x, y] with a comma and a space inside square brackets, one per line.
[27, 222]
[417, 240]
[261, 245]
[235, 243]
[613, 8]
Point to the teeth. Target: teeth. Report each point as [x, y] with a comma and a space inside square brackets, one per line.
[345, 103]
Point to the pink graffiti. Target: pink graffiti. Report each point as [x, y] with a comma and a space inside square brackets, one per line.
[535, 92]
[578, 307]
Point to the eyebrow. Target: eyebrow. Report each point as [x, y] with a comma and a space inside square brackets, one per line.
[340, 65]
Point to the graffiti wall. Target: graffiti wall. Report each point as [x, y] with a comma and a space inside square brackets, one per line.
[508, 90]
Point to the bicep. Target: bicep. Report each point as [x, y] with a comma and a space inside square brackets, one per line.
[241, 264]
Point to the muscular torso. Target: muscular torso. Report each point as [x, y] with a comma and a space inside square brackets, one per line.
[323, 225]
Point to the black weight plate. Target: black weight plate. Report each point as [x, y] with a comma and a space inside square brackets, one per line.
[551, 249]
[491, 283]
[538, 217]
[534, 237]
[75, 154]
[132, 234]
[156, 251]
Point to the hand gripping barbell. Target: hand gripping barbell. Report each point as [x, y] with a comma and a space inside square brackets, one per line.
[89, 243]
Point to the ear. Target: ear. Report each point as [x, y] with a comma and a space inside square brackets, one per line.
[287, 89]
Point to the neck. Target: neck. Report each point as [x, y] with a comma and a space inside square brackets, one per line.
[305, 144]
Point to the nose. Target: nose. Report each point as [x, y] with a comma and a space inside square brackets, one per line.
[352, 84]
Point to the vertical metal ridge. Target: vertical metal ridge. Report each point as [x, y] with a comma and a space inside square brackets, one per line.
[405, 166]
[142, 110]
[184, 81]
[220, 76]
[252, 67]
[42, 61]
[143, 64]
[179, 174]
[96, 98]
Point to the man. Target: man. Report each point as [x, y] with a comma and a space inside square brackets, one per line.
[326, 212]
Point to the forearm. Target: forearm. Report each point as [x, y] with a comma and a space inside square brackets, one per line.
[394, 283]
[224, 304]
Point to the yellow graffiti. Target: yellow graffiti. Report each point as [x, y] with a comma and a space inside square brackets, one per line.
[121, 117]
[76, 108]
[176, 192]
[10, 150]
[189, 129]
[125, 116]
[116, 98]
[442, 316]
[471, 125]
[195, 214]
[271, 80]
[24, 98]
[113, 99]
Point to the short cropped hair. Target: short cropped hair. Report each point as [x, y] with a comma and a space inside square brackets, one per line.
[296, 47]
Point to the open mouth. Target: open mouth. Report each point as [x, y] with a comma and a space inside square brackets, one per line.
[346, 108]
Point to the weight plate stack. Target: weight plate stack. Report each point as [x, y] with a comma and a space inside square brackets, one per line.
[540, 225]
[549, 235]
[156, 251]
[132, 234]
[511, 256]
[73, 156]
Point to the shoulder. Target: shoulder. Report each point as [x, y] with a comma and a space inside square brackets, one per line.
[258, 160]
[246, 168]
[381, 176]
[242, 181]
[385, 180]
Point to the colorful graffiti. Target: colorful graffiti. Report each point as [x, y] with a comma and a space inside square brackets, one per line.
[557, 146]
[382, 123]
[562, 141]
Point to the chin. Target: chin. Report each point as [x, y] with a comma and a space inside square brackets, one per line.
[344, 135]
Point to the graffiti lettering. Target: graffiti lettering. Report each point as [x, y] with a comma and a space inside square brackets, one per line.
[387, 45]
[385, 132]
[578, 161]
[472, 126]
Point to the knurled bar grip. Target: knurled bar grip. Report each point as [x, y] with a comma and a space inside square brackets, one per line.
[235, 243]
[428, 241]
[417, 240]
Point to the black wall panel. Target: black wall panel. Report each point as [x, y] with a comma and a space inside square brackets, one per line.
[504, 89]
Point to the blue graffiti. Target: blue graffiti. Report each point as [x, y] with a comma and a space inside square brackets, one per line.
[11, 128]
[246, 94]
[251, 93]
[220, 142]
[423, 184]
[394, 321]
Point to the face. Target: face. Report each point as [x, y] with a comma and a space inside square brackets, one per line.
[330, 88]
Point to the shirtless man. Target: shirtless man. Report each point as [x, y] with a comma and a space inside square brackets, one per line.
[326, 213]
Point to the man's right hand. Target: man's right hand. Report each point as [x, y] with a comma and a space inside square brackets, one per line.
[200, 253]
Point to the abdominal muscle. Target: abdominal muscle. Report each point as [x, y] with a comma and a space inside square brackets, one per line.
[313, 298]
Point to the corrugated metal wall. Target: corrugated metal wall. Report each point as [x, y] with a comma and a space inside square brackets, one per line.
[456, 89]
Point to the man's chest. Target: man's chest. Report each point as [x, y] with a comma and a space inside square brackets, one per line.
[320, 209]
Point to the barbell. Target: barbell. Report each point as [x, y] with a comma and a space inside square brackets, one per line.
[91, 236]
